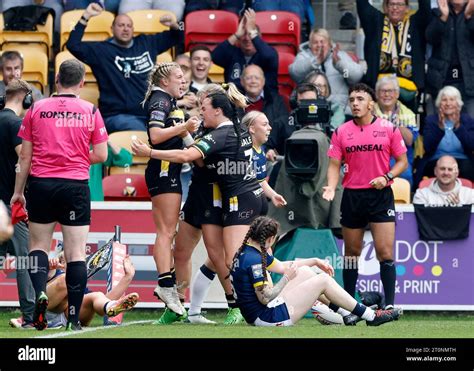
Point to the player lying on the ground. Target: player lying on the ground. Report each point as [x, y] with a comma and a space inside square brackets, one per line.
[99, 303]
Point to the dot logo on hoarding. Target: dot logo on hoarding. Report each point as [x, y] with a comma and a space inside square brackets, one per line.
[437, 270]
[418, 270]
[404, 252]
[401, 270]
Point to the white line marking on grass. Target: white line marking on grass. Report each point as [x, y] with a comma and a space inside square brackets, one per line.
[89, 329]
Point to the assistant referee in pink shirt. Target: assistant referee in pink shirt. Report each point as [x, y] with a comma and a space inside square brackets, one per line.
[364, 146]
[54, 163]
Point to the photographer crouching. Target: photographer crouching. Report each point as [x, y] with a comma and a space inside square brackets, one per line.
[304, 166]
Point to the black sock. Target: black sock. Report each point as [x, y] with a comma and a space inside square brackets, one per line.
[105, 307]
[38, 270]
[165, 280]
[76, 281]
[231, 301]
[359, 310]
[334, 307]
[349, 276]
[388, 277]
[207, 272]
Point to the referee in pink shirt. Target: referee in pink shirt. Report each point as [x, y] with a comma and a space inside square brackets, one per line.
[54, 163]
[364, 146]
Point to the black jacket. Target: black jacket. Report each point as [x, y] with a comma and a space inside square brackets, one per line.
[26, 18]
[121, 72]
[442, 36]
[371, 20]
[232, 59]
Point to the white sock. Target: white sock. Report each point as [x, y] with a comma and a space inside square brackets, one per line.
[343, 312]
[369, 314]
[199, 289]
[109, 304]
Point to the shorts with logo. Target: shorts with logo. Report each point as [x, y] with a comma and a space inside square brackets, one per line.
[163, 177]
[244, 208]
[203, 205]
[66, 201]
[276, 314]
[362, 206]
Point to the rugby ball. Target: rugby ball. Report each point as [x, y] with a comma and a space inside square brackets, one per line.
[325, 315]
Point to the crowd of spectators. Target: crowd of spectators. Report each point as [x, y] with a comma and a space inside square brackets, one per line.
[396, 40]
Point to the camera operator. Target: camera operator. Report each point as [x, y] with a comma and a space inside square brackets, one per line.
[298, 118]
[310, 108]
[320, 80]
[304, 167]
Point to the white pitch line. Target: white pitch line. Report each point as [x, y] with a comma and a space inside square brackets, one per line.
[89, 329]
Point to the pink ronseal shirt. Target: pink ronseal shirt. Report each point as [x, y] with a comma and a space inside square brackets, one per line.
[62, 128]
[365, 151]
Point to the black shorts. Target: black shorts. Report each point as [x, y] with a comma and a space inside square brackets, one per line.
[66, 201]
[163, 177]
[245, 208]
[203, 205]
[362, 206]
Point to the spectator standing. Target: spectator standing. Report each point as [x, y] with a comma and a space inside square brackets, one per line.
[246, 47]
[395, 44]
[121, 65]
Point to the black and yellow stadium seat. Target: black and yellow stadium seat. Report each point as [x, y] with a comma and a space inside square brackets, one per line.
[98, 28]
[43, 36]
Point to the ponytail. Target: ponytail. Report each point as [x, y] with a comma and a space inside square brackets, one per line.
[235, 96]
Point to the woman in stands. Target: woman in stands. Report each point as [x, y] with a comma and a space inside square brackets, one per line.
[166, 131]
[320, 80]
[285, 303]
[227, 150]
[449, 132]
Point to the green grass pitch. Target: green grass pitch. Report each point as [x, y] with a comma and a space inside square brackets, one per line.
[410, 325]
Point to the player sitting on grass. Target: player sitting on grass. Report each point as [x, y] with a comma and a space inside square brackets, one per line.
[284, 304]
[110, 304]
